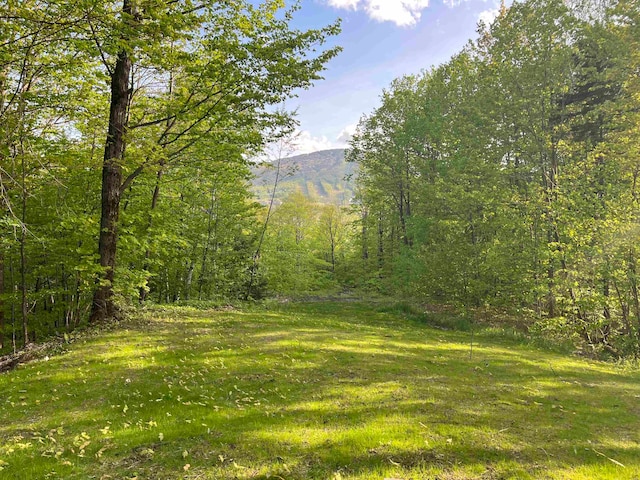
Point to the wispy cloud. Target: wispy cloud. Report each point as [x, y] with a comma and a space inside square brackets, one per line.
[404, 13]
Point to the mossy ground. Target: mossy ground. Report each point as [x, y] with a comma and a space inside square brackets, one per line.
[317, 391]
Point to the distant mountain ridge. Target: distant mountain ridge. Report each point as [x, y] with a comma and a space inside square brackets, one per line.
[323, 176]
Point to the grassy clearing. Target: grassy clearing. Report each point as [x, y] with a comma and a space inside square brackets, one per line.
[323, 391]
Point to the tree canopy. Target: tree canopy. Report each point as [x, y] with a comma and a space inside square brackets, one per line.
[507, 176]
[168, 100]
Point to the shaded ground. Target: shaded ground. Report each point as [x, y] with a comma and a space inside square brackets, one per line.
[321, 391]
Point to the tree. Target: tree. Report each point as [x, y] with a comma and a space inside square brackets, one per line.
[183, 92]
[247, 59]
[284, 146]
[522, 172]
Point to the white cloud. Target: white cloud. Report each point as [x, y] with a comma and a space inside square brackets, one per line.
[304, 142]
[488, 16]
[346, 134]
[404, 13]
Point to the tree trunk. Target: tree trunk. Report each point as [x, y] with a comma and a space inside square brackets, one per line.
[607, 293]
[380, 242]
[147, 253]
[23, 258]
[401, 214]
[633, 275]
[13, 305]
[211, 233]
[2, 323]
[103, 306]
[333, 253]
[3, 77]
[365, 247]
[23, 287]
[253, 271]
[189, 280]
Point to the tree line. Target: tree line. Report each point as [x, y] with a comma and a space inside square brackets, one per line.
[508, 176]
[125, 132]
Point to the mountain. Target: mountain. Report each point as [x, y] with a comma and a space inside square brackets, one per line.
[324, 176]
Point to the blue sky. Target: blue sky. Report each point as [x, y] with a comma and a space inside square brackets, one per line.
[381, 40]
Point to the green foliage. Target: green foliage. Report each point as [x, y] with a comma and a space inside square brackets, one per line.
[206, 78]
[306, 247]
[505, 176]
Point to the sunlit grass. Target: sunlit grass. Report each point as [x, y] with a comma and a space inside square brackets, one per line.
[314, 391]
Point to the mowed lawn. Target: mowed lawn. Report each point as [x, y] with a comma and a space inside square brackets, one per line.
[314, 391]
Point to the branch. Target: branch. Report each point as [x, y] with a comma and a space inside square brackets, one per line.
[152, 122]
[132, 176]
[195, 122]
[97, 42]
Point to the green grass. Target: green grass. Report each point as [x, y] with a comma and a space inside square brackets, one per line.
[318, 391]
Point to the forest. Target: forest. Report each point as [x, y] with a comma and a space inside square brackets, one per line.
[126, 133]
[505, 178]
[463, 304]
[508, 176]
